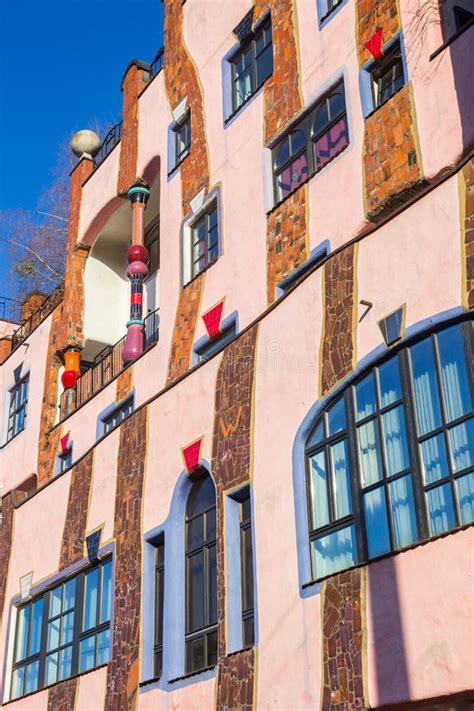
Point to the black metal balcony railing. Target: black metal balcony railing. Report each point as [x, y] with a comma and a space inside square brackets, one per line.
[108, 144]
[10, 310]
[29, 324]
[157, 64]
[107, 365]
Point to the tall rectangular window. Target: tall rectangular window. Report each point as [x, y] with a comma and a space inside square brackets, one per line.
[18, 407]
[388, 76]
[159, 606]
[204, 241]
[64, 631]
[246, 559]
[252, 65]
[182, 137]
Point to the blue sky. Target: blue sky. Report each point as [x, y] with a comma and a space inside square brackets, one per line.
[61, 65]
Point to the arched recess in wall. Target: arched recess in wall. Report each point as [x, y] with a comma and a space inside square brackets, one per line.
[106, 286]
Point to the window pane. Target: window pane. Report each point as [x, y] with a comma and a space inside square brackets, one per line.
[86, 653]
[336, 418]
[365, 397]
[195, 529]
[247, 570]
[461, 441]
[106, 592]
[395, 438]
[53, 634]
[319, 496]
[292, 176]
[31, 682]
[212, 649]
[435, 460]
[211, 525]
[248, 635]
[36, 624]
[334, 552]
[465, 487]
[454, 374]
[283, 154]
[369, 453]
[17, 682]
[196, 591]
[103, 647]
[67, 627]
[322, 118]
[341, 482]
[389, 380]
[243, 86]
[55, 601]
[424, 382]
[51, 668]
[22, 632]
[331, 143]
[65, 662]
[195, 654]
[318, 434]
[440, 509]
[405, 530]
[337, 104]
[90, 599]
[378, 537]
[212, 586]
[264, 64]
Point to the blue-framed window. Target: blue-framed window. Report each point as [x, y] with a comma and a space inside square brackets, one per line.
[382, 78]
[159, 606]
[208, 348]
[182, 138]
[118, 415]
[252, 65]
[204, 240]
[18, 407]
[63, 631]
[327, 9]
[391, 461]
[64, 460]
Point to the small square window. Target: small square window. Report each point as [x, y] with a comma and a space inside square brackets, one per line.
[204, 241]
[182, 137]
[388, 76]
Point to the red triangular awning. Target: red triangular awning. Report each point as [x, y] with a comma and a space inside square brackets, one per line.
[212, 320]
[374, 45]
[192, 455]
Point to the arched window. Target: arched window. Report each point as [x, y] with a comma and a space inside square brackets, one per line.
[391, 461]
[201, 576]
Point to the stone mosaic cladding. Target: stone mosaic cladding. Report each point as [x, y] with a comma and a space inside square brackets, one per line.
[6, 533]
[63, 696]
[392, 168]
[235, 681]
[123, 669]
[124, 384]
[66, 326]
[231, 465]
[286, 239]
[342, 600]
[182, 82]
[286, 227]
[467, 230]
[338, 353]
[371, 15]
[133, 84]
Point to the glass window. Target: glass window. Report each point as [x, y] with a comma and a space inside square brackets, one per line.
[388, 76]
[182, 134]
[252, 66]
[159, 606]
[212, 347]
[65, 460]
[318, 138]
[51, 644]
[204, 241]
[18, 407]
[246, 562]
[201, 576]
[118, 415]
[391, 461]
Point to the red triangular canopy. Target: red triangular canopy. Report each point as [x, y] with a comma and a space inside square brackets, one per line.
[192, 455]
[374, 45]
[63, 441]
[212, 320]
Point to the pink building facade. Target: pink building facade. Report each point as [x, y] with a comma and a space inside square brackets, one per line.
[268, 503]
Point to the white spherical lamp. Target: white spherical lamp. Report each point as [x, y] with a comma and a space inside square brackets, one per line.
[85, 142]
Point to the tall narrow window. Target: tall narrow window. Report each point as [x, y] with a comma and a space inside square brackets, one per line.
[246, 557]
[252, 65]
[159, 602]
[18, 407]
[205, 241]
[201, 576]
[182, 134]
[388, 76]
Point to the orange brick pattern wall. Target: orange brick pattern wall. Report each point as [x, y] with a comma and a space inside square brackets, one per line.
[391, 160]
[181, 80]
[468, 231]
[6, 532]
[123, 669]
[124, 383]
[337, 340]
[133, 84]
[31, 304]
[286, 229]
[231, 465]
[5, 348]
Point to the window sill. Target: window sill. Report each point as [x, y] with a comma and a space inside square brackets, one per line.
[391, 554]
[324, 20]
[17, 434]
[235, 112]
[177, 166]
[451, 39]
[52, 686]
[191, 674]
[147, 682]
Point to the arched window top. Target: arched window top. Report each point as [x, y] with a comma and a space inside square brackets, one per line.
[202, 497]
[328, 111]
[390, 461]
[291, 146]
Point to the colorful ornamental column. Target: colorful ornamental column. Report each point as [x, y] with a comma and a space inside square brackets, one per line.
[137, 256]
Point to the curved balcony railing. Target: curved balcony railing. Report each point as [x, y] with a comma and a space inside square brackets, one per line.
[157, 64]
[29, 324]
[10, 310]
[108, 144]
[107, 365]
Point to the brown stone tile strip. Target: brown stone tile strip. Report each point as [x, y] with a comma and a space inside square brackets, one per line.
[66, 326]
[235, 681]
[342, 602]
[122, 672]
[466, 198]
[231, 465]
[62, 697]
[338, 348]
[124, 383]
[6, 536]
[133, 84]
[182, 81]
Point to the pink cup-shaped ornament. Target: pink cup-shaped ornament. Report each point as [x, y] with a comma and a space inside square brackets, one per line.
[133, 343]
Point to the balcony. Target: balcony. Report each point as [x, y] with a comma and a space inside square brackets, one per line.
[106, 366]
[10, 310]
[29, 324]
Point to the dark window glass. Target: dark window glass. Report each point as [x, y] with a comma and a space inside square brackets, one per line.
[118, 415]
[63, 632]
[212, 347]
[152, 243]
[204, 241]
[159, 606]
[18, 407]
[462, 17]
[246, 558]
[318, 138]
[182, 135]
[388, 76]
[65, 460]
[201, 576]
[392, 460]
[252, 65]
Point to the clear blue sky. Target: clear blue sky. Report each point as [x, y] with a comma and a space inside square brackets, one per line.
[61, 65]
